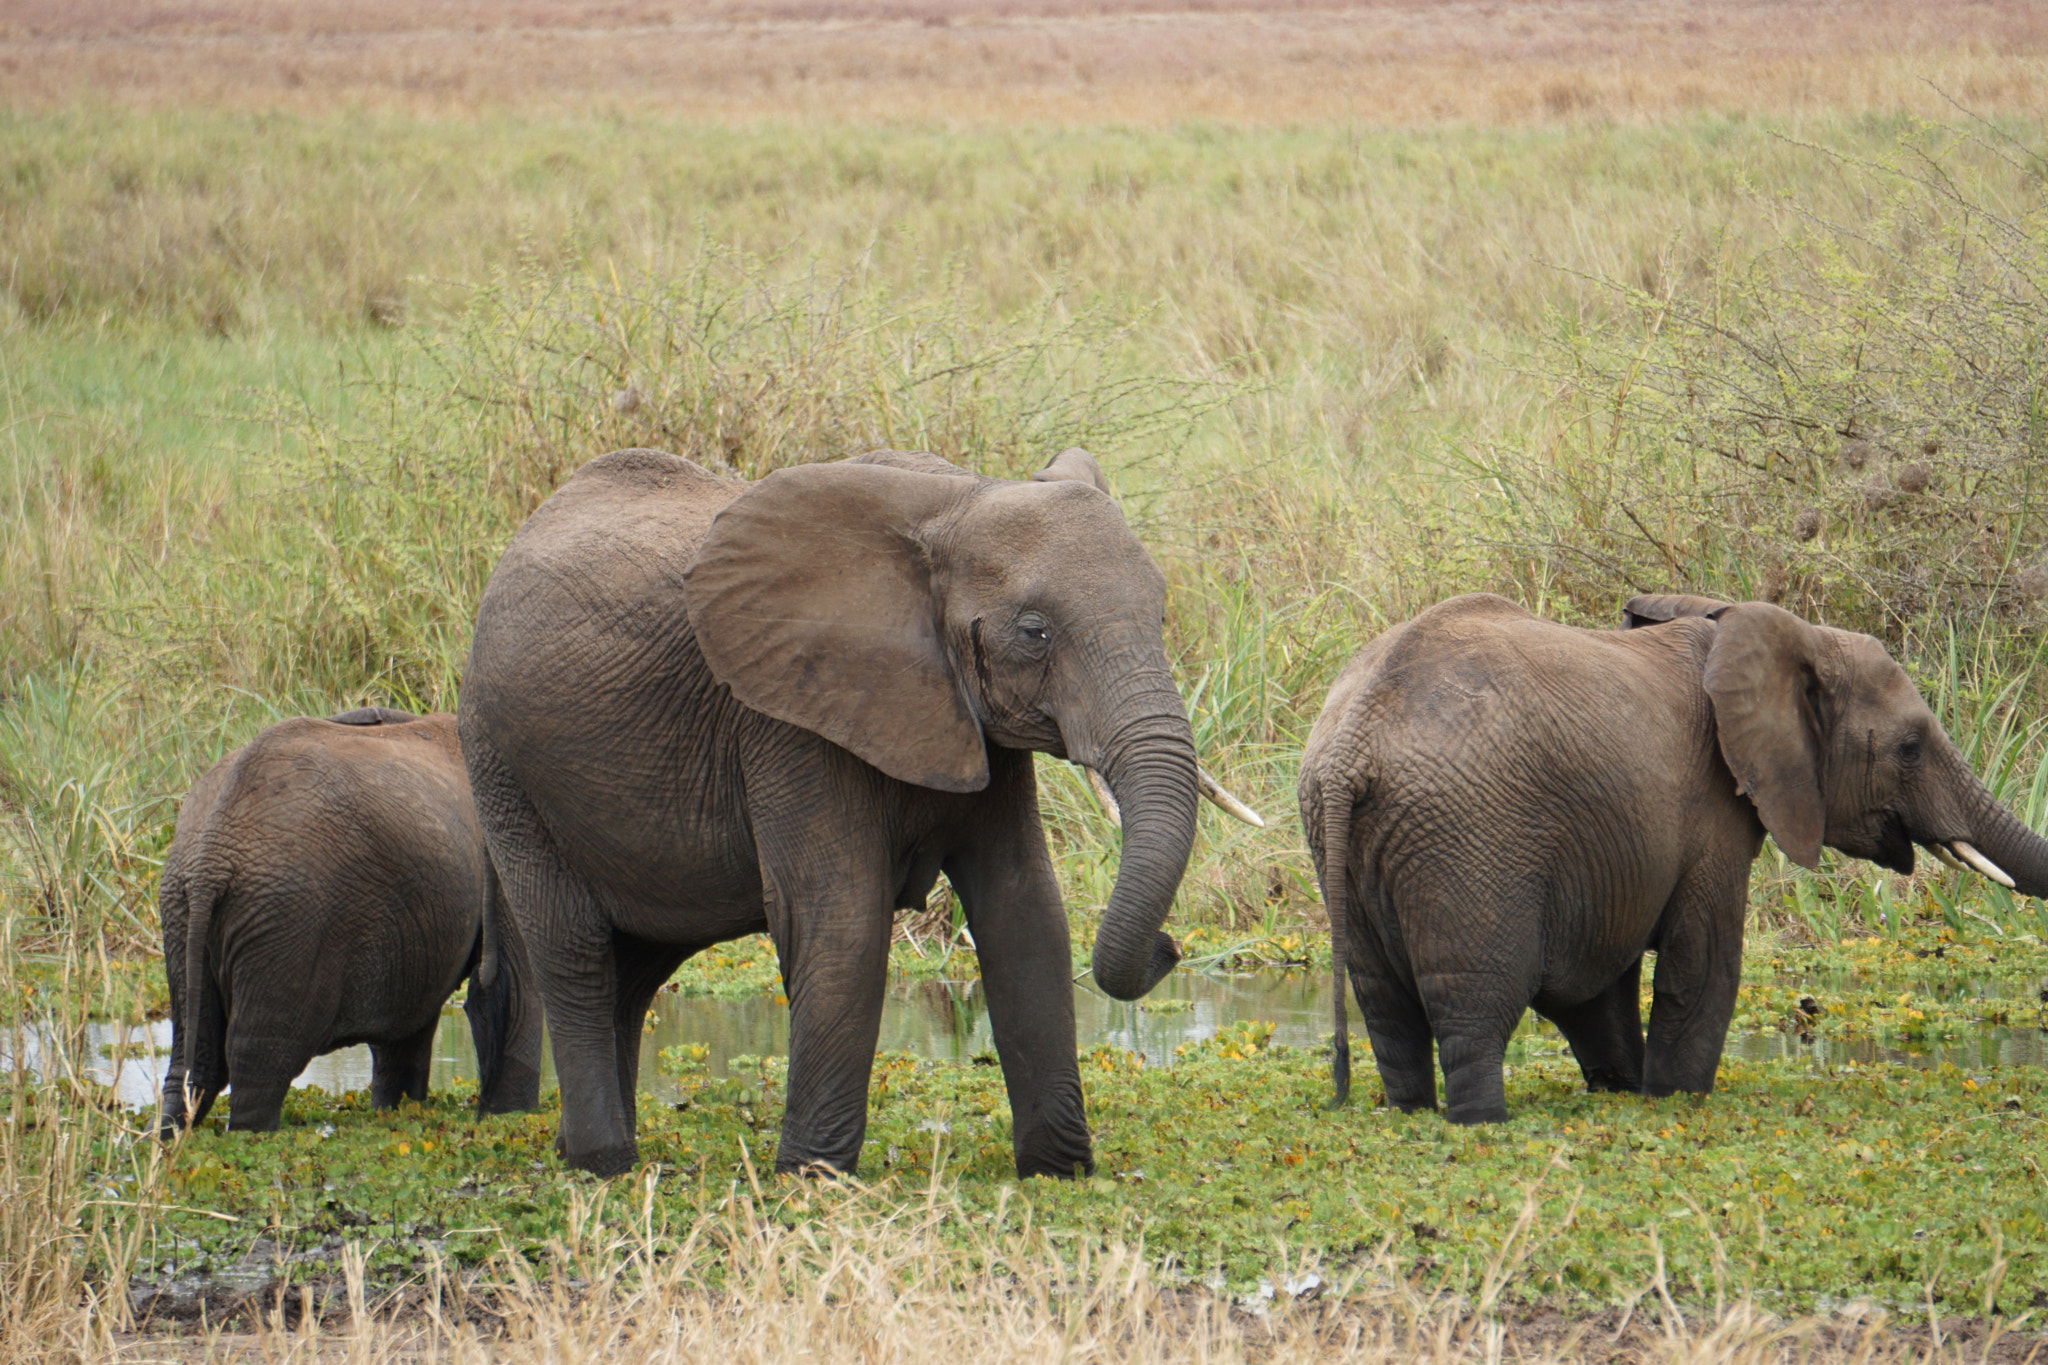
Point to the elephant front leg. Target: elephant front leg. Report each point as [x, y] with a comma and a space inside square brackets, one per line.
[640, 968]
[1699, 971]
[1019, 924]
[833, 937]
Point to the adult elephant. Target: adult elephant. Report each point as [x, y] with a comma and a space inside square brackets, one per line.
[1506, 812]
[697, 708]
[328, 885]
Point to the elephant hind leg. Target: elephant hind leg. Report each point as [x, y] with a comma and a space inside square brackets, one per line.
[1474, 1088]
[569, 946]
[260, 1075]
[1395, 1021]
[1472, 1014]
[399, 1071]
[189, 1091]
[184, 1104]
[271, 1036]
[1401, 1047]
[1606, 1033]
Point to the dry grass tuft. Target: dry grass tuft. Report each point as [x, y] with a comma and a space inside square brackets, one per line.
[879, 1273]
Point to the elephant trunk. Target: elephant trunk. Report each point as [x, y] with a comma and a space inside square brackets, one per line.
[1148, 758]
[2000, 836]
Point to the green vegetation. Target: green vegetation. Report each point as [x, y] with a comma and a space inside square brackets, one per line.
[1795, 1183]
[277, 390]
[1336, 374]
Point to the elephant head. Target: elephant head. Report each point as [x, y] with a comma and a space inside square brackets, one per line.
[1831, 741]
[913, 614]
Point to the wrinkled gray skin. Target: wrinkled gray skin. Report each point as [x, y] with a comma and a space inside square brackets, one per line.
[1507, 813]
[698, 708]
[328, 885]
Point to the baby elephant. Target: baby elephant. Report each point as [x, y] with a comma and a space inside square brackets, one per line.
[328, 885]
[1506, 812]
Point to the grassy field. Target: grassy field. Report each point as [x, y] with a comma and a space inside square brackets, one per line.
[305, 307]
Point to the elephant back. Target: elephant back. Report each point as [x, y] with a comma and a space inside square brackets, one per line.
[616, 518]
[303, 780]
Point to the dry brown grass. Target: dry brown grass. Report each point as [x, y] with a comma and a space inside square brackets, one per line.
[883, 1274]
[1072, 61]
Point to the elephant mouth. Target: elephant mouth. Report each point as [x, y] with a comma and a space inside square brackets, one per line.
[1892, 849]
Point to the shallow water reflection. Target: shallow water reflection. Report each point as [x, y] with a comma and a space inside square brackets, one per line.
[948, 1020]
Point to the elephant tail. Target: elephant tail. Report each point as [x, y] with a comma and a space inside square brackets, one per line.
[203, 1065]
[1337, 805]
[490, 997]
[506, 1038]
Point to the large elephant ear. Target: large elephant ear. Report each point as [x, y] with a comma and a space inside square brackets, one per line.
[812, 599]
[1770, 707]
[1076, 464]
[1653, 609]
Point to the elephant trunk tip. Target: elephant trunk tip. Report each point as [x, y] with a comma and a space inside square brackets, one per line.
[1119, 985]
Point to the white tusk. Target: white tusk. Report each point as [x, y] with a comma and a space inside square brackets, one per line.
[1104, 797]
[1942, 853]
[1213, 789]
[1983, 864]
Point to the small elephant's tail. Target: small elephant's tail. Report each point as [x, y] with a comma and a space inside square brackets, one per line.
[1334, 818]
[199, 1053]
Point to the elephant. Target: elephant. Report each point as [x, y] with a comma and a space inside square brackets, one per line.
[697, 708]
[328, 885]
[1506, 813]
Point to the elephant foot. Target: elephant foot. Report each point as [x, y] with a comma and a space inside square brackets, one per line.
[260, 1111]
[1469, 1115]
[1057, 1167]
[1613, 1082]
[262, 1124]
[605, 1162]
[1657, 1090]
[812, 1169]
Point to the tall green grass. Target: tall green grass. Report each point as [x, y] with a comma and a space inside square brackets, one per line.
[1336, 375]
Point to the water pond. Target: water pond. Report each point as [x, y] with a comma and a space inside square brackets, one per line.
[948, 1020]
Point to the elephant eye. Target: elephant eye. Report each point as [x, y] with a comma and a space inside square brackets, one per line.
[1909, 749]
[1033, 628]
